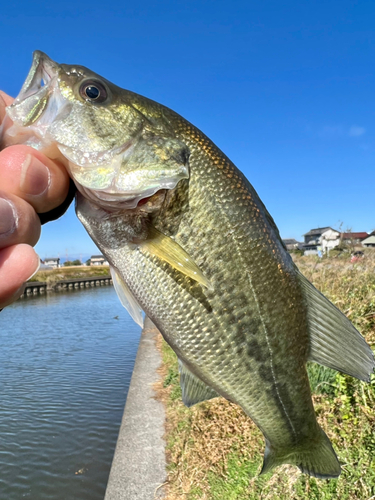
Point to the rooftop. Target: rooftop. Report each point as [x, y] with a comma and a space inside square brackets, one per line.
[290, 241]
[317, 231]
[355, 236]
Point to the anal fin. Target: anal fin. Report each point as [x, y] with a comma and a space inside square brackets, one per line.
[334, 341]
[193, 389]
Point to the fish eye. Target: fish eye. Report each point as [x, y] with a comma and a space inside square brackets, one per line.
[93, 91]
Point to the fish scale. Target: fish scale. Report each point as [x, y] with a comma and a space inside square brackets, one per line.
[191, 244]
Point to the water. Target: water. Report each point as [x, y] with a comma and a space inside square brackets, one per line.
[65, 369]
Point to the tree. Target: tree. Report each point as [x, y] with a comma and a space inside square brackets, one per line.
[76, 262]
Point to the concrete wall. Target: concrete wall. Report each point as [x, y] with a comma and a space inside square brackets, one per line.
[139, 467]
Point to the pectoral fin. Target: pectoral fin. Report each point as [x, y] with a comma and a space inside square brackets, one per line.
[126, 297]
[168, 250]
[334, 342]
[193, 389]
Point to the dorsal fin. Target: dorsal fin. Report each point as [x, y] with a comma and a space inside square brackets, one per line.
[334, 341]
[193, 389]
[168, 250]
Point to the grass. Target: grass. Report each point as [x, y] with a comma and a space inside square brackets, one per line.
[72, 272]
[215, 451]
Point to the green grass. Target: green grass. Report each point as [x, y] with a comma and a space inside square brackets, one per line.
[73, 272]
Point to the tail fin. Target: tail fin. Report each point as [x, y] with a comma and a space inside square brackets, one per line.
[318, 459]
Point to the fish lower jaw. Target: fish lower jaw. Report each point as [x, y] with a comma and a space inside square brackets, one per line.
[113, 202]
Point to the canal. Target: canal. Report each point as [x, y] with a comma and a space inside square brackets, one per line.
[66, 361]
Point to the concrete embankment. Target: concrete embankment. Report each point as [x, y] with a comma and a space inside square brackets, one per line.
[41, 287]
[139, 468]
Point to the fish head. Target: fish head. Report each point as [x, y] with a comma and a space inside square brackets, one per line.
[117, 146]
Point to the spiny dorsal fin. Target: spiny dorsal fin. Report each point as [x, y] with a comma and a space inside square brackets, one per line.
[193, 389]
[334, 342]
[168, 250]
[126, 297]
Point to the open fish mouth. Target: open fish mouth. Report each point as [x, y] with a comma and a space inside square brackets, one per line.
[41, 73]
[33, 99]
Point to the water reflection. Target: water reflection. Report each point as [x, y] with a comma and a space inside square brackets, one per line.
[65, 368]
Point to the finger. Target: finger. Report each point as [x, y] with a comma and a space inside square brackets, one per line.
[19, 222]
[29, 174]
[5, 100]
[17, 264]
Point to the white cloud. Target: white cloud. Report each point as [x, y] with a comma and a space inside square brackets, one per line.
[337, 131]
[356, 131]
[331, 131]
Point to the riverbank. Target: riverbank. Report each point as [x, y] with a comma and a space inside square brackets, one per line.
[215, 452]
[67, 278]
[70, 272]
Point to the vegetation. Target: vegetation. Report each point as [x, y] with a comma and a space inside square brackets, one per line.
[215, 451]
[76, 262]
[62, 273]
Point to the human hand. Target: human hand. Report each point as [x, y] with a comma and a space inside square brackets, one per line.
[30, 184]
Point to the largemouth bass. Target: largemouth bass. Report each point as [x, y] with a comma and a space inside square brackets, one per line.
[191, 244]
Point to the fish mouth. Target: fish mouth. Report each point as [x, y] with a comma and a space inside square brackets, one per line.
[43, 70]
[33, 100]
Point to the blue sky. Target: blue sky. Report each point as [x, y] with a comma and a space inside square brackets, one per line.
[285, 89]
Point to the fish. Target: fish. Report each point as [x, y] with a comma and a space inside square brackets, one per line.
[191, 245]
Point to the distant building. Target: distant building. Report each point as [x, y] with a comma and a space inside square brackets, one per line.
[52, 262]
[353, 238]
[370, 241]
[321, 239]
[312, 240]
[330, 239]
[98, 260]
[292, 244]
[43, 267]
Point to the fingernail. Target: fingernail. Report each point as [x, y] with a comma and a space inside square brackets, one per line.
[2, 108]
[8, 217]
[35, 177]
[36, 270]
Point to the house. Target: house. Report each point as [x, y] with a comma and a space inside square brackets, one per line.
[353, 238]
[321, 239]
[312, 245]
[330, 239]
[52, 262]
[370, 241]
[292, 244]
[98, 260]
